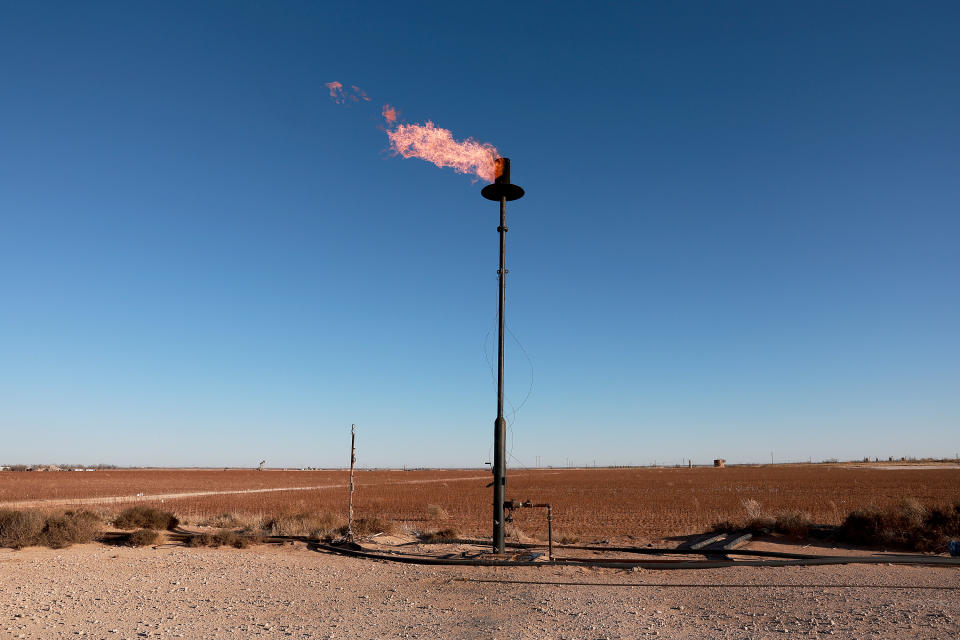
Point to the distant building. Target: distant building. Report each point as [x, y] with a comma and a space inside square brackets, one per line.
[719, 462]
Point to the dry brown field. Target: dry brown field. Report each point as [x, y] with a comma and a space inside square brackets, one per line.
[589, 504]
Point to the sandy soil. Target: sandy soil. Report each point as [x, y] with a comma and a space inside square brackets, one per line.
[99, 591]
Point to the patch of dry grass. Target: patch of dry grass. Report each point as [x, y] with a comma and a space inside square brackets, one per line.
[143, 537]
[790, 522]
[306, 524]
[20, 529]
[72, 527]
[225, 538]
[437, 512]
[145, 518]
[440, 535]
[908, 525]
[363, 527]
[227, 520]
[200, 540]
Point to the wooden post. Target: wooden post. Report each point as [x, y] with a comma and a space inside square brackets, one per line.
[353, 459]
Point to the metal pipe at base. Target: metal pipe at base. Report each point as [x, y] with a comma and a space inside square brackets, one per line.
[514, 504]
[550, 532]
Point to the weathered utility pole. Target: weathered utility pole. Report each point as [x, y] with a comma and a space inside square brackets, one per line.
[353, 459]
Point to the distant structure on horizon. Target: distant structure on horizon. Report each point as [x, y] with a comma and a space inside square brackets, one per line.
[719, 462]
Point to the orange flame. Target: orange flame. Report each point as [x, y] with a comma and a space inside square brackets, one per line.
[390, 114]
[437, 145]
[354, 94]
[336, 91]
[427, 141]
[358, 94]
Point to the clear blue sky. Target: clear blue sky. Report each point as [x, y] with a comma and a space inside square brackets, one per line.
[740, 233]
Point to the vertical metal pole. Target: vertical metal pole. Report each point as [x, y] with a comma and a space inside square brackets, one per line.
[353, 459]
[549, 532]
[500, 426]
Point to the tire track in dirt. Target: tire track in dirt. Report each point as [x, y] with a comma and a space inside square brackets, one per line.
[60, 502]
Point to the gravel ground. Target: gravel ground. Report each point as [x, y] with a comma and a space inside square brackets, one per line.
[99, 591]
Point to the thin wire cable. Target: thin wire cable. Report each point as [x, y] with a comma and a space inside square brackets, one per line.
[510, 417]
[493, 375]
[529, 364]
[515, 409]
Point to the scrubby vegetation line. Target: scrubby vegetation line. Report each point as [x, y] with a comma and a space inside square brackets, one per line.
[909, 525]
[143, 517]
[589, 504]
[20, 529]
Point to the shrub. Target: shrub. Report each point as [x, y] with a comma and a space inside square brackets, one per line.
[19, 529]
[253, 536]
[368, 526]
[909, 525]
[200, 540]
[759, 524]
[224, 538]
[724, 526]
[228, 538]
[145, 518]
[143, 537]
[941, 525]
[307, 524]
[792, 523]
[442, 534]
[72, 527]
